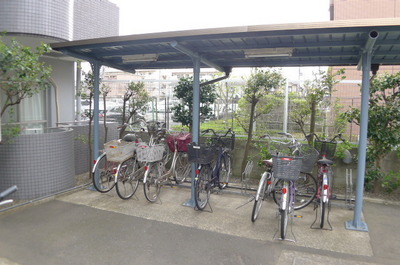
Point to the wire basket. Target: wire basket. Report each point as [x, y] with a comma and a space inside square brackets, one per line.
[119, 151]
[146, 153]
[326, 148]
[287, 167]
[310, 156]
[227, 141]
[200, 154]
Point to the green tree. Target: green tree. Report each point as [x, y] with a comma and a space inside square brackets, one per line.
[135, 101]
[316, 90]
[184, 91]
[383, 125]
[260, 83]
[22, 74]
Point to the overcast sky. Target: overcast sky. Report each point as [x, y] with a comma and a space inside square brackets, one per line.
[171, 15]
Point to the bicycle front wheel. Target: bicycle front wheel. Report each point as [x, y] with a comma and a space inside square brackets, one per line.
[103, 174]
[202, 186]
[182, 168]
[225, 171]
[259, 197]
[127, 184]
[152, 184]
[306, 190]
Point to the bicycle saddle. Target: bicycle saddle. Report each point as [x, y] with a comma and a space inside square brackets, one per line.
[267, 163]
[129, 137]
[325, 161]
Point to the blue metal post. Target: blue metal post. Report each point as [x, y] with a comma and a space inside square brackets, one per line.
[196, 121]
[96, 95]
[357, 223]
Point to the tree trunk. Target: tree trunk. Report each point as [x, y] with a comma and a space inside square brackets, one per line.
[249, 135]
[378, 182]
[312, 119]
[105, 119]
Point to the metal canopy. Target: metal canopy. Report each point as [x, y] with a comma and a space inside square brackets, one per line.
[332, 43]
[303, 44]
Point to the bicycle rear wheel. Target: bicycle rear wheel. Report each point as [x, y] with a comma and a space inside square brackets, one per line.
[323, 211]
[127, 183]
[225, 171]
[259, 197]
[202, 186]
[306, 190]
[182, 168]
[152, 185]
[103, 174]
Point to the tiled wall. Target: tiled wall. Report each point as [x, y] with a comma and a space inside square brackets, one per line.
[42, 17]
[39, 164]
[60, 19]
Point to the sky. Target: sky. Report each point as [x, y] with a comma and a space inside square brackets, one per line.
[149, 16]
[137, 17]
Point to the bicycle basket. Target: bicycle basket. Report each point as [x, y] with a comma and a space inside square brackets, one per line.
[182, 140]
[200, 154]
[286, 167]
[119, 151]
[226, 142]
[326, 148]
[310, 156]
[146, 153]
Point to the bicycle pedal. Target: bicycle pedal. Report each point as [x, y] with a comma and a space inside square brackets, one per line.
[297, 216]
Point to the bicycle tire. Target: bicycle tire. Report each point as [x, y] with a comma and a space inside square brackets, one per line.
[259, 197]
[225, 171]
[323, 210]
[203, 187]
[127, 183]
[284, 213]
[152, 185]
[306, 191]
[103, 174]
[182, 168]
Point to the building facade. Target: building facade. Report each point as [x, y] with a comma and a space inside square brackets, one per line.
[32, 22]
[348, 91]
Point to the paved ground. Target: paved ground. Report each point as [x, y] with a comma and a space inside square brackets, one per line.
[86, 227]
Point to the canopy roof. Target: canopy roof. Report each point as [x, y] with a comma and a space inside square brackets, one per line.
[302, 44]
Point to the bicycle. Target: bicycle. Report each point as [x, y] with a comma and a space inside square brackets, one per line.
[325, 178]
[287, 169]
[132, 170]
[208, 177]
[116, 156]
[306, 185]
[6, 193]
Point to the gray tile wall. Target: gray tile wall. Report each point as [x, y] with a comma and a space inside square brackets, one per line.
[60, 19]
[39, 164]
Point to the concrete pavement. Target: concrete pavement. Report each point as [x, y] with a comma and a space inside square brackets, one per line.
[86, 227]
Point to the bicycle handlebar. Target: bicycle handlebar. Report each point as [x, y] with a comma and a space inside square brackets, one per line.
[8, 192]
[215, 134]
[339, 135]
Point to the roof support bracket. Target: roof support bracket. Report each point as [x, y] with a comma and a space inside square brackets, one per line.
[193, 54]
[369, 45]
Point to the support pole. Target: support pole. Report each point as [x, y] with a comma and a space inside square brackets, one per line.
[196, 122]
[96, 96]
[286, 106]
[357, 223]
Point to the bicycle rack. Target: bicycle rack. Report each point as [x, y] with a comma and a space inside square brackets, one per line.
[291, 218]
[316, 207]
[246, 177]
[349, 196]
